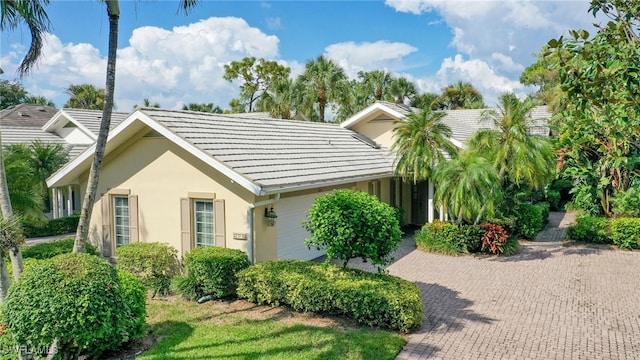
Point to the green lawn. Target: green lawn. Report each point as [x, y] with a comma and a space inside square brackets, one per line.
[226, 330]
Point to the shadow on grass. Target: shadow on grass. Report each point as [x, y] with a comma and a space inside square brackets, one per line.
[171, 333]
[296, 341]
[445, 310]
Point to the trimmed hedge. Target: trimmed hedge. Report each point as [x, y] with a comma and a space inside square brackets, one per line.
[530, 220]
[625, 232]
[441, 237]
[50, 249]
[591, 229]
[210, 271]
[155, 264]
[75, 298]
[371, 299]
[53, 227]
[135, 298]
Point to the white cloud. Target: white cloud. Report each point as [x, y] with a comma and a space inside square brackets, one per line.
[366, 56]
[184, 64]
[479, 73]
[507, 63]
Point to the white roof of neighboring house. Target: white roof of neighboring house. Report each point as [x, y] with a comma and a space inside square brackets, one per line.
[263, 155]
[463, 122]
[86, 120]
[23, 134]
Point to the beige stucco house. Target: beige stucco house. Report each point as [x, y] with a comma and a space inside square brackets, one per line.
[197, 179]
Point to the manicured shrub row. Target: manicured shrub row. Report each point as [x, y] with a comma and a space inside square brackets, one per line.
[78, 299]
[50, 249]
[155, 264]
[450, 239]
[623, 232]
[372, 299]
[52, 227]
[591, 229]
[210, 271]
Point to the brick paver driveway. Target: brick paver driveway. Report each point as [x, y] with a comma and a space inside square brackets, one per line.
[548, 302]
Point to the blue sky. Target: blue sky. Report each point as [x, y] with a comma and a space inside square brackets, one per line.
[174, 59]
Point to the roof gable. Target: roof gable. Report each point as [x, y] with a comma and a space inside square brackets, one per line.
[87, 121]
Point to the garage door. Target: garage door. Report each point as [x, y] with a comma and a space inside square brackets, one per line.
[291, 234]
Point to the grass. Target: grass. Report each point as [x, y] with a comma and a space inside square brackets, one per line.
[240, 330]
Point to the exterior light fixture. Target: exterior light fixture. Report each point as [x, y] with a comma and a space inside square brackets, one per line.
[270, 216]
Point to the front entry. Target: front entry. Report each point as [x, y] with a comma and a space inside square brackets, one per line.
[419, 202]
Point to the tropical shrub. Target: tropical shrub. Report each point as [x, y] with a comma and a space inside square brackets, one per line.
[625, 232]
[50, 249]
[353, 224]
[75, 298]
[210, 271]
[53, 227]
[529, 220]
[155, 264]
[494, 238]
[591, 229]
[471, 235]
[553, 197]
[441, 237]
[135, 298]
[508, 223]
[371, 299]
[511, 247]
[626, 203]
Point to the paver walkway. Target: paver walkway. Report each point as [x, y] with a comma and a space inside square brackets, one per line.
[548, 302]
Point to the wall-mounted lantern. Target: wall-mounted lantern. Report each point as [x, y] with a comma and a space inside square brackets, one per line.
[270, 216]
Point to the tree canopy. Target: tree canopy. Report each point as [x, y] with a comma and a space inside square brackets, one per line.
[255, 77]
[600, 75]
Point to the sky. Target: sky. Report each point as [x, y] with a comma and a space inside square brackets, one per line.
[174, 59]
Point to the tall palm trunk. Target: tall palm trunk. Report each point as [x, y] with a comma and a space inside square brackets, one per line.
[322, 103]
[113, 10]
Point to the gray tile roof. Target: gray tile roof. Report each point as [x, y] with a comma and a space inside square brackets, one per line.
[278, 154]
[465, 122]
[28, 115]
[91, 118]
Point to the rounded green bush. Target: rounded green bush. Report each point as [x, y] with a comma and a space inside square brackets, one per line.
[352, 224]
[529, 220]
[155, 264]
[74, 298]
[372, 299]
[210, 271]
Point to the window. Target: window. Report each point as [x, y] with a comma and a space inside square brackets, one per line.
[202, 221]
[121, 220]
[203, 224]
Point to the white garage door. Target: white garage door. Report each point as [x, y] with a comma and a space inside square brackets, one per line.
[291, 234]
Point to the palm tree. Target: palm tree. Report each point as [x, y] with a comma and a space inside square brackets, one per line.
[85, 96]
[468, 186]
[377, 81]
[32, 13]
[45, 159]
[322, 82]
[279, 99]
[421, 142]
[204, 107]
[24, 187]
[524, 159]
[401, 90]
[113, 12]
[461, 95]
[12, 13]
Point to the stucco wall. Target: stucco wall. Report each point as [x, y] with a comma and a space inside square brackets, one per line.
[378, 129]
[160, 173]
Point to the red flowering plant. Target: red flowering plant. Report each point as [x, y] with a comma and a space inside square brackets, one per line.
[494, 238]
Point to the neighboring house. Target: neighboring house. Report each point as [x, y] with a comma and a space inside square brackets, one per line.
[75, 129]
[193, 179]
